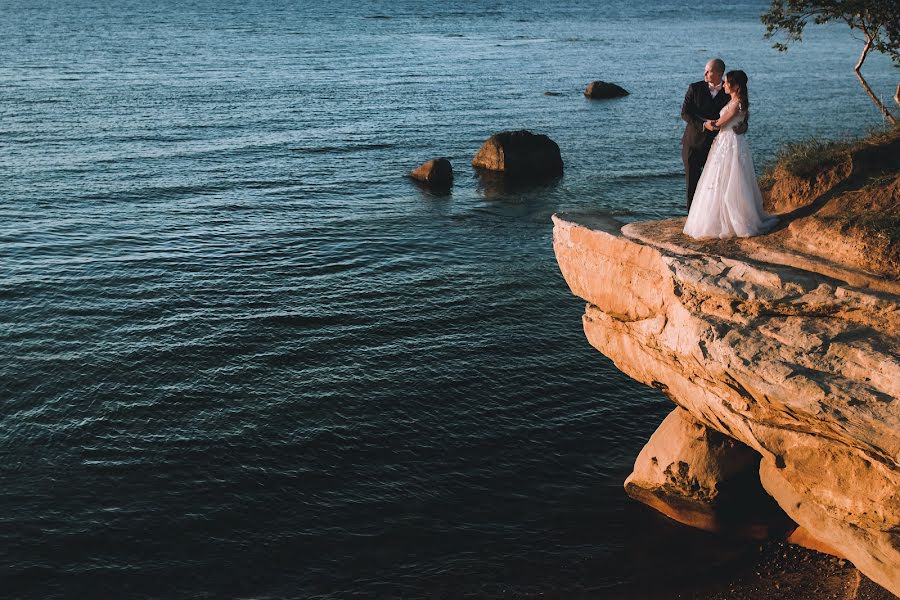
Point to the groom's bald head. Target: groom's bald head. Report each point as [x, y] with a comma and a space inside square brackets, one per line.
[715, 68]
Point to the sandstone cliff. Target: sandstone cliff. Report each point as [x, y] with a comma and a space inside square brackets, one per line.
[782, 346]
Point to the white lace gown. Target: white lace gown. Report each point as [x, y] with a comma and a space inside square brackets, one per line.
[728, 202]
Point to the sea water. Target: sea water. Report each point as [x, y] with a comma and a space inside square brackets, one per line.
[241, 355]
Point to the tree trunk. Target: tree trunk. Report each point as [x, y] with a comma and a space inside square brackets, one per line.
[862, 81]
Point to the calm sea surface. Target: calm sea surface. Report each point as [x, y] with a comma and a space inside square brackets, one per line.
[242, 356]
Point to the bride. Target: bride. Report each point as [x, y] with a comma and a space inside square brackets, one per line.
[728, 202]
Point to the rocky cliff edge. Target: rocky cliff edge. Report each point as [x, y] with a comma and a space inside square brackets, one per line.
[767, 347]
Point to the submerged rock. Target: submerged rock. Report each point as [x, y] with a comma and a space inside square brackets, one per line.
[437, 172]
[520, 154]
[600, 90]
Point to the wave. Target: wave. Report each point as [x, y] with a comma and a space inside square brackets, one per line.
[342, 149]
[466, 13]
[647, 175]
[577, 40]
[43, 100]
[179, 191]
[521, 40]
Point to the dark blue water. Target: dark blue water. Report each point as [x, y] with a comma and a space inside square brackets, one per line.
[242, 356]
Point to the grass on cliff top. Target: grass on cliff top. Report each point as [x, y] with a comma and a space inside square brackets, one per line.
[808, 157]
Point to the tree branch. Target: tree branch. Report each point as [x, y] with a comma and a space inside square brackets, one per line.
[877, 20]
[862, 57]
[862, 81]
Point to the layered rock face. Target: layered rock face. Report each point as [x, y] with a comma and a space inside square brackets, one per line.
[792, 358]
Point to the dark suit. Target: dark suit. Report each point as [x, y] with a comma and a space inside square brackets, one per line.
[698, 106]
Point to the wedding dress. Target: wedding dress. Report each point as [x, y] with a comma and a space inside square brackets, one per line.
[728, 202]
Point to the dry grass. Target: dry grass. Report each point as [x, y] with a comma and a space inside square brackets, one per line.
[808, 157]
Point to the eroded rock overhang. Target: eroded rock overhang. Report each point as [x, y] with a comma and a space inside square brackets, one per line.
[787, 354]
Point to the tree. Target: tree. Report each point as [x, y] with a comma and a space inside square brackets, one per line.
[877, 20]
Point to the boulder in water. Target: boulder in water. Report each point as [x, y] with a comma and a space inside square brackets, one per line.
[437, 172]
[600, 90]
[520, 154]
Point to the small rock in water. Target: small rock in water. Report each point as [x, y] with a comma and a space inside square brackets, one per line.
[437, 172]
[553, 93]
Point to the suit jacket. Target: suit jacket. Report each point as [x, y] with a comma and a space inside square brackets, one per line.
[700, 106]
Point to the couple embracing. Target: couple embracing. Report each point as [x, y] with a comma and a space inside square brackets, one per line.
[723, 197]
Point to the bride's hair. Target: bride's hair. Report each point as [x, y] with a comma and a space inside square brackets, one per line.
[738, 79]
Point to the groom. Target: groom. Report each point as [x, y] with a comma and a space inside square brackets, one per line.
[701, 106]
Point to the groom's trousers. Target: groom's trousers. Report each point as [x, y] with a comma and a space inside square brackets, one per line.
[694, 158]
